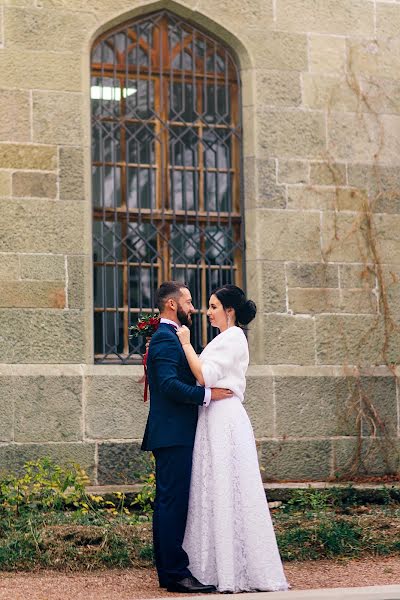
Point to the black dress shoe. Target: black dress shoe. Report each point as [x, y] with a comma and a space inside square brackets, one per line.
[190, 585]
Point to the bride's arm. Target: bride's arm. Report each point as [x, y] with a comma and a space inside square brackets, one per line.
[194, 362]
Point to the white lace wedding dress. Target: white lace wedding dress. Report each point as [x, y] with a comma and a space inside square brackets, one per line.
[229, 535]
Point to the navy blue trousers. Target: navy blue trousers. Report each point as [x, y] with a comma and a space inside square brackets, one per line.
[173, 473]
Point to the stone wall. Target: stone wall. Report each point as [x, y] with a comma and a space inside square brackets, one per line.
[321, 112]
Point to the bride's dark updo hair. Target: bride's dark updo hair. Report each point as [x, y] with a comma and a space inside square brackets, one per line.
[232, 296]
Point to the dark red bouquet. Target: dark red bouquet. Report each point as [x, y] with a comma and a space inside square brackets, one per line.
[146, 326]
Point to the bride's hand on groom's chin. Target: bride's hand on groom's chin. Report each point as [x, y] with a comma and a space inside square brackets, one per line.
[220, 393]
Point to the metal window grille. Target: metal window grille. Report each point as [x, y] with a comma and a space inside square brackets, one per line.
[166, 132]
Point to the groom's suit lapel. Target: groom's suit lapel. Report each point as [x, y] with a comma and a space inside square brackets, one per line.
[173, 330]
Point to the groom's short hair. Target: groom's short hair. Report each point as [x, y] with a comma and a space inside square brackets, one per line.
[168, 289]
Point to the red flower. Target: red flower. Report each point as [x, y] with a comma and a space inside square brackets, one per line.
[142, 325]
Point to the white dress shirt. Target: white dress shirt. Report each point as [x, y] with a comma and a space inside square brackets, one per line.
[207, 390]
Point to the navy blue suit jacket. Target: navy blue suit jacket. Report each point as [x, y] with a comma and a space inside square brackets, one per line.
[174, 396]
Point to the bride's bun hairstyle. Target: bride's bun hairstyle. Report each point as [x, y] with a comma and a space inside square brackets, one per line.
[232, 296]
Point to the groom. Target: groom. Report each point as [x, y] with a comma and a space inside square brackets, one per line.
[170, 433]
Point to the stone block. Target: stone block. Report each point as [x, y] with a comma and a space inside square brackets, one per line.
[273, 287]
[329, 93]
[323, 198]
[315, 406]
[79, 281]
[289, 340]
[320, 275]
[42, 267]
[300, 460]
[259, 404]
[364, 137]
[47, 409]
[375, 457]
[72, 184]
[279, 50]
[291, 134]
[5, 184]
[114, 408]
[32, 294]
[381, 183]
[42, 70]
[41, 336]
[314, 300]
[391, 292]
[43, 226]
[9, 267]
[14, 116]
[357, 276]
[57, 118]
[28, 156]
[285, 236]
[387, 20]
[340, 17]
[278, 88]
[379, 406]
[293, 171]
[327, 54]
[324, 173]
[7, 409]
[386, 237]
[232, 14]
[14, 456]
[358, 301]
[345, 238]
[379, 95]
[121, 463]
[355, 340]
[377, 58]
[268, 193]
[34, 185]
[51, 30]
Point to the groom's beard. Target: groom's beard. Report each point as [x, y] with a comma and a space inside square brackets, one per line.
[184, 318]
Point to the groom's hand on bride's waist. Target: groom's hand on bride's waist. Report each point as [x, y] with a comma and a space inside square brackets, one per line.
[220, 393]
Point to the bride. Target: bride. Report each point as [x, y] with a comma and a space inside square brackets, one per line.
[229, 535]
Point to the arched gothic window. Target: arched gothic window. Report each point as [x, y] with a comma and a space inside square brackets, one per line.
[166, 135]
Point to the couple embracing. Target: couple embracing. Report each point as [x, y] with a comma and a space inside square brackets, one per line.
[211, 525]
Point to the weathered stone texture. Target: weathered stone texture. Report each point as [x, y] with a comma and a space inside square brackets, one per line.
[319, 406]
[286, 236]
[364, 137]
[289, 340]
[268, 193]
[273, 287]
[41, 70]
[293, 171]
[114, 408]
[9, 267]
[41, 336]
[381, 183]
[14, 456]
[24, 156]
[329, 93]
[342, 17]
[259, 403]
[322, 198]
[7, 409]
[5, 183]
[344, 238]
[327, 54]
[377, 457]
[300, 460]
[356, 276]
[278, 50]
[32, 294]
[53, 413]
[320, 275]
[57, 118]
[291, 134]
[71, 178]
[121, 463]
[355, 340]
[379, 58]
[387, 20]
[52, 30]
[42, 267]
[34, 185]
[41, 226]
[278, 88]
[14, 115]
[79, 281]
[324, 173]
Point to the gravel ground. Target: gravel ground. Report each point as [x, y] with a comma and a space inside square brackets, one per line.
[140, 584]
